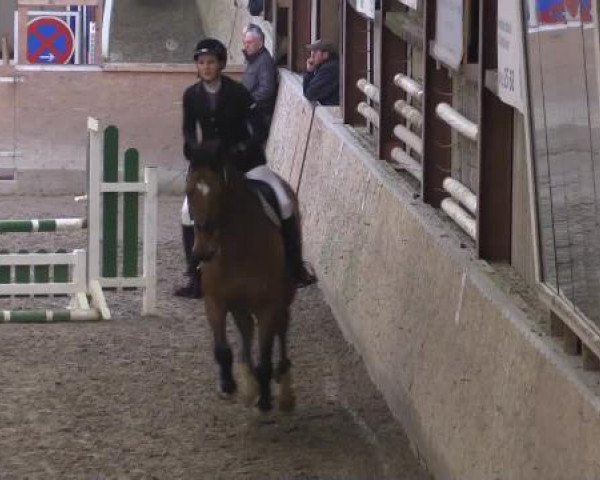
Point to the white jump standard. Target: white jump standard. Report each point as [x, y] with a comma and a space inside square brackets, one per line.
[82, 274]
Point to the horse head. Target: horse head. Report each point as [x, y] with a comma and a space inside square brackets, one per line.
[204, 189]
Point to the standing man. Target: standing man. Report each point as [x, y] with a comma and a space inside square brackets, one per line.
[321, 81]
[260, 76]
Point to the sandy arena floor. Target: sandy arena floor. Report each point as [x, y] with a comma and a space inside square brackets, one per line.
[135, 398]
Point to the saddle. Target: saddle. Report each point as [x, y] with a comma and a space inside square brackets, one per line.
[268, 199]
[273, 196]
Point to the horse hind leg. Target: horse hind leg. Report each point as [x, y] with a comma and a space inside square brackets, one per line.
[264, 370]
[286, 398]
[248, 384]
[283, 375]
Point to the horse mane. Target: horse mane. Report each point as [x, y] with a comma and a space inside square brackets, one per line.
[215, 155]
[225, 163]
[206, 154]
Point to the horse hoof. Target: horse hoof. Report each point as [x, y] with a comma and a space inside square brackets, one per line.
[249, 389]
[248, 400]
[223, 395]
[287, 404]
[263, 406]
[227, 389]
[250, 393]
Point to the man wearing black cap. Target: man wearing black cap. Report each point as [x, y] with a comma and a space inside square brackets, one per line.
[321, 81]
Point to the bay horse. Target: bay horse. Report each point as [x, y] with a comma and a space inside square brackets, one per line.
[243, 272]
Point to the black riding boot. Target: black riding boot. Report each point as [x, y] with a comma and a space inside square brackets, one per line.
[192, 289]
[292, 241]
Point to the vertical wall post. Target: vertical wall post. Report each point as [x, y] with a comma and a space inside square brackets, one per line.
[22, 34]
[270, 8]
[314, 19]
[301, 16]
[495, 150]
[393, 58]
[436, 133]
[354, 60]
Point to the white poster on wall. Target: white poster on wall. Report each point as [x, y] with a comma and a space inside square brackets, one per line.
[510, 53]
[366, 7]
[411, 3]
[448, 45]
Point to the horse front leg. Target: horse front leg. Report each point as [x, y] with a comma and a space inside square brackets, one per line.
[248, 384]
[217, 315]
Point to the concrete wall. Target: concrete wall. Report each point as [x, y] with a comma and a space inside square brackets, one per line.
[225, 20]
[46, 116]
[464, 361]
[7, 8]
[154, 31]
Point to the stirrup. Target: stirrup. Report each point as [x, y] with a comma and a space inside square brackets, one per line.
[191, 290]
[306, 277]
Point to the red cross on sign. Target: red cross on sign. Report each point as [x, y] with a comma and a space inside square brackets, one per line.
[49, 40]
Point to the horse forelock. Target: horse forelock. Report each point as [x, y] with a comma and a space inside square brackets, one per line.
[207, 154]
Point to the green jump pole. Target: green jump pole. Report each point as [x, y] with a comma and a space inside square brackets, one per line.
[110, 203]
[4, 271]
[41, 273]
[42, 225]
[61, 272]
[47, 316]
[130, 215]
[22, 271]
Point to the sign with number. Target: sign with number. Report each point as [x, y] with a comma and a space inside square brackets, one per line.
[448, 45]
[414, 4]
[510, 53]
[49, 40]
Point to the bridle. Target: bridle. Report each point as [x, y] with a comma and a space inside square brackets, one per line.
[208, 226]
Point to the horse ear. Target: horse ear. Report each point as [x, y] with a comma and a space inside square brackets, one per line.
[246, 155]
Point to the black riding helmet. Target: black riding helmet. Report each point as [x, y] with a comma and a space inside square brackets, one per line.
[211, 46]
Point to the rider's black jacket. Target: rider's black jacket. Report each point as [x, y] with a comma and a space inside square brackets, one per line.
[235, 121]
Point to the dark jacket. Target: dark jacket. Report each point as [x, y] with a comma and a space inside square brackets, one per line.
[260, 78]
[323, 85]
[235, 121]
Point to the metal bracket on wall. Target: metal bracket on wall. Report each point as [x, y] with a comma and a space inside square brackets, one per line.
[12, 79]
[7, 164]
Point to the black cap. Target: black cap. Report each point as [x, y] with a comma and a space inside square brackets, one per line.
[323, 45]
[211, 46]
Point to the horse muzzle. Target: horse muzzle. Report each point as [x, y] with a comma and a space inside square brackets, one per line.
[205, 257]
